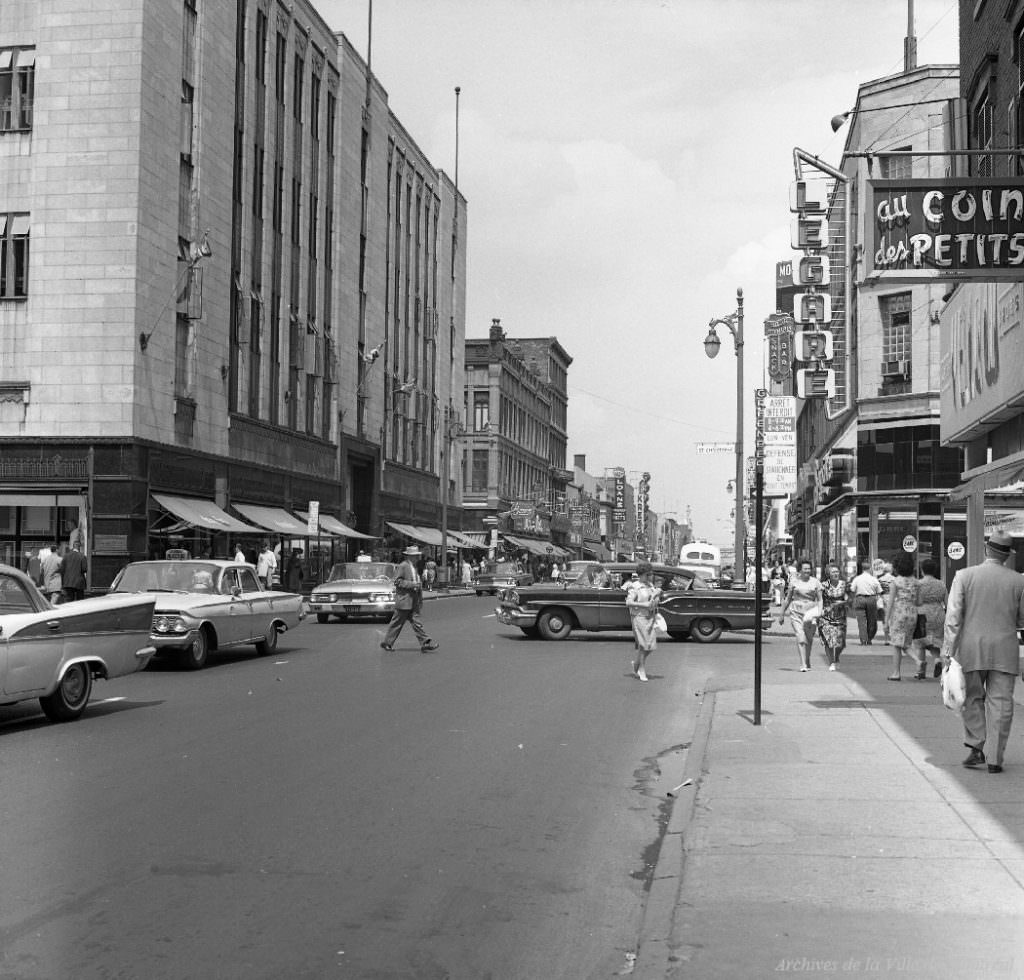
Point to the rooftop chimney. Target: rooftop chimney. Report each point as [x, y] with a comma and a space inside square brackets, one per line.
[580, 461]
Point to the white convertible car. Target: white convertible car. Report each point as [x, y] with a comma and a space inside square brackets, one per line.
[54, 652]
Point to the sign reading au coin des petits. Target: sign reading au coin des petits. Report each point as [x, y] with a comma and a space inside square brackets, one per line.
[967, 229]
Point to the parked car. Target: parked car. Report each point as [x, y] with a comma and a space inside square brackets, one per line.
[55, 652]
[692, 610]
[209, 606]
[500, 575]
[356, 588]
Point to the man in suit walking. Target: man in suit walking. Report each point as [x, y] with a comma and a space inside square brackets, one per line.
[408, 603]
[73, 574]
[984, 612]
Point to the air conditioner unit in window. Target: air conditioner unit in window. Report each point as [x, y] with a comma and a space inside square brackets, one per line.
[895, 369]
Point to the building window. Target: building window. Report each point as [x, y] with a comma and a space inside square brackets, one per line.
[896, 337]
[17, 84]
[14, 256]
[478, 476]
[481, 410]
[983, 133]
[897, 168]
[297, 89]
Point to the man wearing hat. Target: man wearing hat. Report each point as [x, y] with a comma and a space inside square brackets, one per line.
[984, 612]
[408, 603]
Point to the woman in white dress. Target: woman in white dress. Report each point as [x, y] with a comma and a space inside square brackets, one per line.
[803, 595]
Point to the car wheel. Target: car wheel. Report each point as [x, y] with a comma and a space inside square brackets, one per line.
[194, 658]
[72, 695]
[705, 630]
[268, 644]
[555, 624]
[322, 617]
[679, 634]
[531, 632]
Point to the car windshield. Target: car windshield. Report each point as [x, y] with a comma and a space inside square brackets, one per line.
[362, 571]
[594, 577]
[502, 568]
[168, 576]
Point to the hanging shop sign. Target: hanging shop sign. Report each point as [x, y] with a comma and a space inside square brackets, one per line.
[947, 229]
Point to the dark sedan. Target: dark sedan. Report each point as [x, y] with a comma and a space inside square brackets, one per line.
[596, 601]
[500, 575]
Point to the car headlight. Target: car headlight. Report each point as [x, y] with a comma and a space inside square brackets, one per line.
[381, 597]
[169, 624]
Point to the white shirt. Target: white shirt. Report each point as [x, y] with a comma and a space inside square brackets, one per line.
[865, 584]
[239, 555]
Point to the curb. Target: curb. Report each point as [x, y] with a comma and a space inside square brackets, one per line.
[654, 958]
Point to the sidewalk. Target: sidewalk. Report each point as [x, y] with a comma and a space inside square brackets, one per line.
[841, 836]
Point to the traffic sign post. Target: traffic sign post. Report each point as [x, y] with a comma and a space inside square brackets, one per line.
[760, 397]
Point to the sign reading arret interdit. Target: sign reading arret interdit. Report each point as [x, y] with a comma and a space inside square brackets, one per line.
[965, 229]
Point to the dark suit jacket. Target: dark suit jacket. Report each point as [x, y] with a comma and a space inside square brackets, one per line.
[408, 588]
[73, 571]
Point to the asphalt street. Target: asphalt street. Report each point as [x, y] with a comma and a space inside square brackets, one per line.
[493, 809]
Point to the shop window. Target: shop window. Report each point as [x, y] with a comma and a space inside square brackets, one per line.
[17, 86]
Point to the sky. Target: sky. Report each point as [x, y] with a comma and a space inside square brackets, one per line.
[626, 165]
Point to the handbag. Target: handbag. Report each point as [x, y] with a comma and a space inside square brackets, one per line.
[660, 626]
[954, 688]
[813, 613]
[920, 627]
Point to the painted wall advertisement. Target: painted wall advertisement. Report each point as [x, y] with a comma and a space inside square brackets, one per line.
[982, 350]
[953, 229]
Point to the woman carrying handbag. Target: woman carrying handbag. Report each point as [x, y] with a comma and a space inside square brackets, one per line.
[803, 601]
[642, 603]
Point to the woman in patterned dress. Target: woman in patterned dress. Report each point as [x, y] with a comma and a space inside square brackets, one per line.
[901, 610]
[932, 605]
[832, 624]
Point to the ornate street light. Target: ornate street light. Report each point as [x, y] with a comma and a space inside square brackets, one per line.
[712, 345]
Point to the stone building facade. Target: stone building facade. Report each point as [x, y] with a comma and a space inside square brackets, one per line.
[236, 282]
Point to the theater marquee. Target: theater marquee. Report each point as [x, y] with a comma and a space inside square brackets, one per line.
[946, 229]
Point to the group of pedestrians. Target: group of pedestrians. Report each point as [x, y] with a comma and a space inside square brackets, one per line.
[58, 572]
[912, 611]
[977, 623]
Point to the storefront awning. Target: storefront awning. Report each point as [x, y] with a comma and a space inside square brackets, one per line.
[425, 535]
[274, 519]
[539, 548]
[1005, 479]
[334, 528]
[460, 540]
[203, 513]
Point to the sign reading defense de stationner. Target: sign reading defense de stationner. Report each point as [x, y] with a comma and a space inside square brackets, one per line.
[950, 229]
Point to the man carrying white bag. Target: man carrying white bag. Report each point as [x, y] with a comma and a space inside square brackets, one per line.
[984, 612]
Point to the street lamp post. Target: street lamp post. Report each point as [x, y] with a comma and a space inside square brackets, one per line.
[453, 430]
[712, 344]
